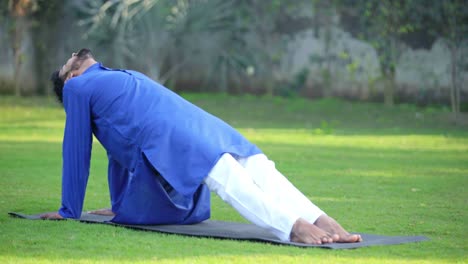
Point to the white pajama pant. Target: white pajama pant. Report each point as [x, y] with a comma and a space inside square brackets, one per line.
[260, 193]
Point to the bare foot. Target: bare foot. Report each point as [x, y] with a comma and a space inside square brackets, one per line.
[305, 232]
[105, 211]
[339, 235]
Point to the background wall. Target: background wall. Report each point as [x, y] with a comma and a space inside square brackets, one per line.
[351, 49]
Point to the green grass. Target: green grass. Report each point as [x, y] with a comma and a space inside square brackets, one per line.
[399, 171]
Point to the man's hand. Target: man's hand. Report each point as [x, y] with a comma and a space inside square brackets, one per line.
[105, 211]
[51, 216]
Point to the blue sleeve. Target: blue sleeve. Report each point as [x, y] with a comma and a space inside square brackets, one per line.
[118, 178]
[76, 152]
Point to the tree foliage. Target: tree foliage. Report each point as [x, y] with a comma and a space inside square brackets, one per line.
[38, 19]
[19, 11]
[221, 44]
[45, 23]
[383, 24]
[185, 33]
[448, 20]
[177, 34]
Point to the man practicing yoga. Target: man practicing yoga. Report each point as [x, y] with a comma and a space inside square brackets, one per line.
[166, 154]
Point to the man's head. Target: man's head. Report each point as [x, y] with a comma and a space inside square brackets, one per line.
[72, 68]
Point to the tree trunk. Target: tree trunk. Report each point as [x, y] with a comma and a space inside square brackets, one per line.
[40, 67]
[17, 39]
[389, 89]
[390, 86]
[454, 89]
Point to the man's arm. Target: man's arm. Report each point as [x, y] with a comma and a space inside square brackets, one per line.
[104, 211]
[76, 154]
[117, 177]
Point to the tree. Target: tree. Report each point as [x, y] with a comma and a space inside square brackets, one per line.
[44, 27]
[174, 33]
[323, 23]
[382, 23]
[19, 11]
[224, 42]
[449, 20]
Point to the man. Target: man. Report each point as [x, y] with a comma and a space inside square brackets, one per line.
[165, 154]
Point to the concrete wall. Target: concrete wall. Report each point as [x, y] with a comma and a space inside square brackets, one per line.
[355, 68]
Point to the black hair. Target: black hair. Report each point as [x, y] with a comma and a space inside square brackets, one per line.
[58, 82]
[58, 85]
[84, 53]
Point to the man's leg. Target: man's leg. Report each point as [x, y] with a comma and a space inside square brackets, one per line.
[282, 191]
[231, 181]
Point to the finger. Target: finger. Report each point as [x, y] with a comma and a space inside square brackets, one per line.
[44, 216]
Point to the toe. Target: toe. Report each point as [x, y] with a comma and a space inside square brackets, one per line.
[335, 237]
[359, 238]
[355, 238]
[352, 238]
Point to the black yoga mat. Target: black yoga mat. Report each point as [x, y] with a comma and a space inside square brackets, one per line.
[240, 231]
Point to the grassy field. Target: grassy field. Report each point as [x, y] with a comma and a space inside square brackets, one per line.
[399, 171]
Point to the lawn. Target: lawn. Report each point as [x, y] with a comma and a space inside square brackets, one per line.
[392, 171]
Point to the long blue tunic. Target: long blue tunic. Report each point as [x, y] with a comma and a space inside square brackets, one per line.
[160, 147]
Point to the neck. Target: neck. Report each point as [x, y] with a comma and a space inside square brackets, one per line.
[85, 65]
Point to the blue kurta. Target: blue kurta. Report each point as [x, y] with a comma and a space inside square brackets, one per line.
[160, 147]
